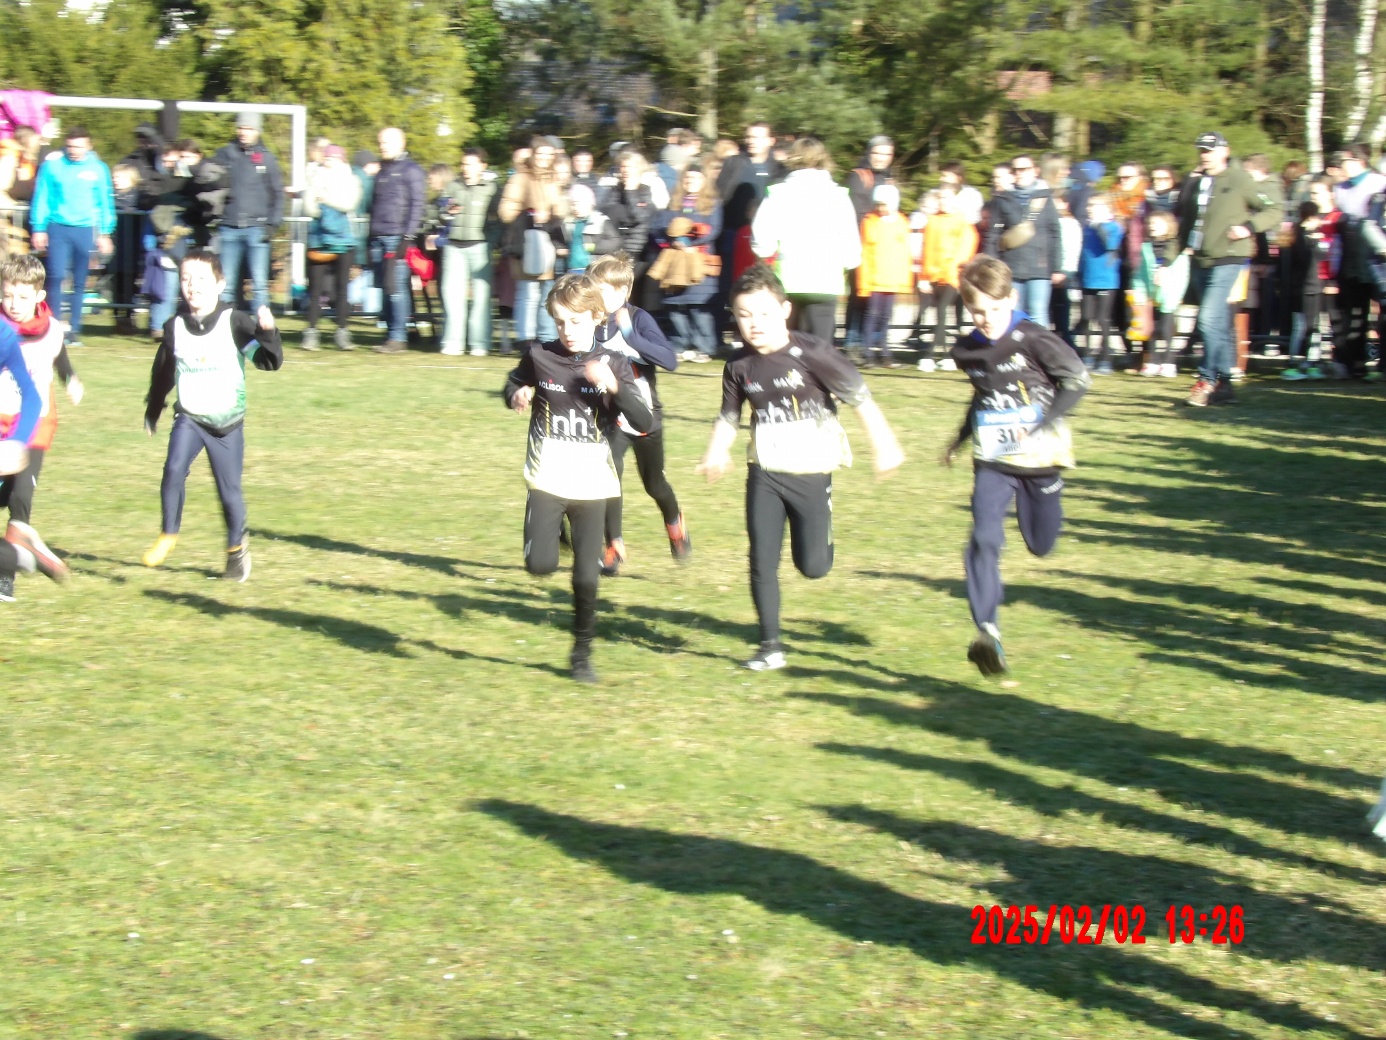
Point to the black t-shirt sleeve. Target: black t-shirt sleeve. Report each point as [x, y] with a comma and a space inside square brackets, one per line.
[627, 399]
[269, 352]
[836, 374]
[1064, 368]
[732, 395]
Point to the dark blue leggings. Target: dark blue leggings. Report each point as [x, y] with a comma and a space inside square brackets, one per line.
[1039, 512]
[226, 453]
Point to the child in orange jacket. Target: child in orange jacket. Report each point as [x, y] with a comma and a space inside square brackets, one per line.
[949, 242]
[886, 269]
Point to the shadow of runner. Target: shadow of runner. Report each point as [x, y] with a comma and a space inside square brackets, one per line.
[1016, 788]
[1124, 754]
[354, 634]
[173, 1034]
[1279, 928]
[442, 564]
[1098, 977]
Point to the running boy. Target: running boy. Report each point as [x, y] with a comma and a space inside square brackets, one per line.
[790, 380]
[203, 354]
[631, 332]
[1024, 381]
[578, 390]
[25, 310]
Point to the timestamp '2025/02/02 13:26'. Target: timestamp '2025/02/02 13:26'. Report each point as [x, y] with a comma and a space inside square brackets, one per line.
[1089, 925]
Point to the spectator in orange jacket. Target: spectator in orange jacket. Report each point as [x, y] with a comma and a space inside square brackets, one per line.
[886, 270]
[950, 241]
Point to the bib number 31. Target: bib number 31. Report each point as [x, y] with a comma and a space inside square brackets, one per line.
[1002, 433]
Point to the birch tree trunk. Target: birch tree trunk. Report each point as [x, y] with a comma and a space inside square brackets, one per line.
[1313, 116]
[1362, 77]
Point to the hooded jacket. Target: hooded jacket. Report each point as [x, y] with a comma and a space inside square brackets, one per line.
[75, 194]
[808, 224]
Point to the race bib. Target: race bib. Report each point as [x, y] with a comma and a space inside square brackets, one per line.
[1002, 433]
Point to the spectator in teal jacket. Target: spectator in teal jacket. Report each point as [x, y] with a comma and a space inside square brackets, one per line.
[73, 213]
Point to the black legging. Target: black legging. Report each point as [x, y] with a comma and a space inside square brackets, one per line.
[944, 297]
[339, 270]
[1162, 350]
[649, 462]
[1097, 305]
[543, 521]
[806, 501]
[816, 315]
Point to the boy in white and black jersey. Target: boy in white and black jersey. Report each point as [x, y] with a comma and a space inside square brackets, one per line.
[575, 391]
[1025, 379]
[632, 332]
[203, 354]
[790, 381]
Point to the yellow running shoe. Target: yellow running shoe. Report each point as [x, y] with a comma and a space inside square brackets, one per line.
[158, 552]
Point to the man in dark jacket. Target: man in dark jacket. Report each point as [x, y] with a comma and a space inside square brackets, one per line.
[873, 170]
[254, 209]
[742, 184]
[396, 214]
[1032, 253]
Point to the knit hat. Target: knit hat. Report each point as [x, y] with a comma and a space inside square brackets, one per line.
[250, 119]
[334, 151]
[887, 193]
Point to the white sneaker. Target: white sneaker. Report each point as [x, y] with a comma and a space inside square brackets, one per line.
[1237, 375]
[451, 351]
[689, 355]
[927, 364]
[1376, 819]
[477, 352]
[1149, 370]
[766, 660]
[947, 365]
[1169, 371]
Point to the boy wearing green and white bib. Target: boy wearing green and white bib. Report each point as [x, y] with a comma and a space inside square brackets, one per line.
[203, 354]
[1025, 380]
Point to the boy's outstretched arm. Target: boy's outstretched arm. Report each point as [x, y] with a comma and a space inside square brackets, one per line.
[717, 459]
[885, 449]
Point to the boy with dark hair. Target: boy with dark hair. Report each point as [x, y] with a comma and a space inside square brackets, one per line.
[578, 390]
[203, 354]
[1025, 380]
[633, 333]
[790, 380]
[24, 309]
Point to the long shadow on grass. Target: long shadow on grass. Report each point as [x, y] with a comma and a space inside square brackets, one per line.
[1054, 801]
[173, 1034]
[1226, 647]
[1278, 928]
[1095, 977]
[442, 564]
[354, 634]
[1124, 754]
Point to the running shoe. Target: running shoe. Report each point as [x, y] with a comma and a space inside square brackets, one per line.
[237, 563]
[45, 560]
[157, 553]
[580, 668]
[1374, 376]
[310, 340]
[6, 588]
[1149, 370]
[1294, 374]
[680, 545]
[342, 337]
[613, 557]
[1170, 371]
[768, 659]
[986, 651]
[1313, 372]
[927, 365]
[947, 365]
[1222, 393]
[1237, 375]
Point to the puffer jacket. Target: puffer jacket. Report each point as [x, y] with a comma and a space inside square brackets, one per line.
[1039, 257]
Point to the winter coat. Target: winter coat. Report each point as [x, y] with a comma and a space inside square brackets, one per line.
[808, 224]
[861, 182]
[740, 187]
[1039, 257]
[523, 193]
[331, 197]
[1099, 268]
[633, 211]
[1236, 199]
[255, 187]
[473, 214]
[707, 229]
[886, 264]
[949, 242]
[397, 204]
[75, 194]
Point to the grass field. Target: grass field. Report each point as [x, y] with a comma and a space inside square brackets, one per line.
[358, 797]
